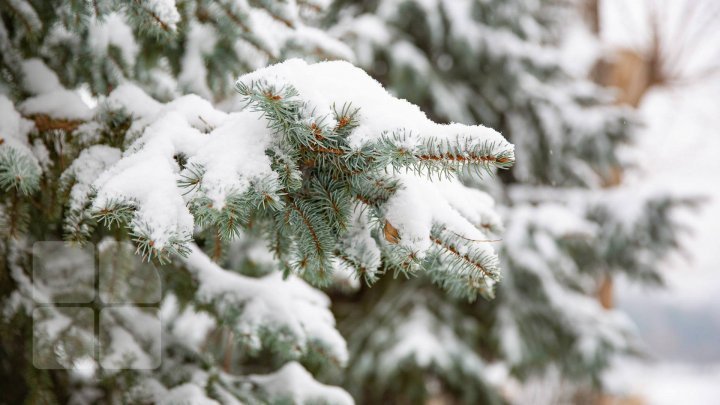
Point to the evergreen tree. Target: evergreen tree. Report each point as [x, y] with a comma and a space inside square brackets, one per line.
[236, 201]
[570, 221]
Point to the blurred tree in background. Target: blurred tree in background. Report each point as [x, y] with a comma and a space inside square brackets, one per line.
[570, 222]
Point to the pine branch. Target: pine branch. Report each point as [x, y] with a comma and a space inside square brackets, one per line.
[18, 171]
[465, 268]
[442, 157]
[115, 212]
[148, 249]
[314, 240]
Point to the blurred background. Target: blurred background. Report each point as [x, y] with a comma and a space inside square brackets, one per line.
[667, 56]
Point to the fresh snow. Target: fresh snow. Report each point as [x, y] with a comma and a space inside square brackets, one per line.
[336, 83]
[51, 98]
[186, 394]
[269, 302]
[422, 203]
[191, 327]
[540, 253]
[419, 205]
[292, 382]
[133, 100]
[232, 172]
[161, 209]
[165, 11]
[230, 148]
[201, 39]
[113, 30]
[61, 104]
[14, 129]
[359, 243]
[424, 339]
[85, 169]
[38, 78]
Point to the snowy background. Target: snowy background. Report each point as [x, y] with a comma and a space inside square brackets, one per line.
[679, 146]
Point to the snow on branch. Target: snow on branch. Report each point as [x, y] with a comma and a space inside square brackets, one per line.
[321, 87]
[292, 383]
[292, 311]
[296, 385]
[19, 168]
[314, 143]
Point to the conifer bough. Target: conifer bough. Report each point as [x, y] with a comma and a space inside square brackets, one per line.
[317, 151]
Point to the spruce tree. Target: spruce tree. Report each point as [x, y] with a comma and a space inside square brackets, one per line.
[191, 212]
[570, 222]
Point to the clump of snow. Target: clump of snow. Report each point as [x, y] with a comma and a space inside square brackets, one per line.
[367, 31]
[230, 149]
[113, 30]
[199, 112]
[84, 369]
[191, 327]
[292, 382]
[38, 78]
[232, 172]
[124, 351]
[421, 337]
[359, 244]
[274, 37]
[327, 84]
[161, 209]
[422, 203]
[51, 98]
[131, 337]
[186, 394]
[201, 39]
[269, 302]
[410, 211]
[165, 11]
[147, 390]
[475, 205]
[418, 205]
[132, 99]
[85, 169]
[229, 152]
[14, 128]
[62, 104]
